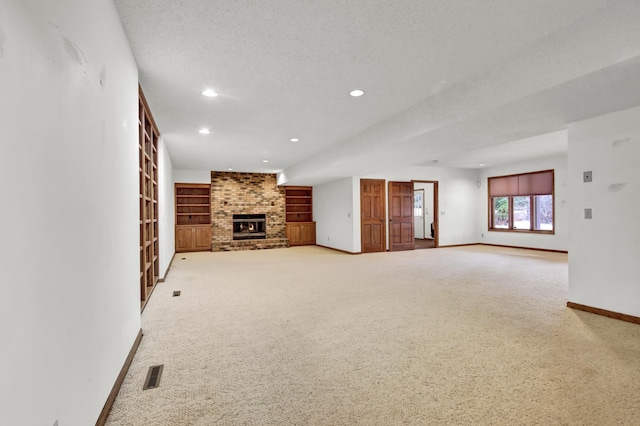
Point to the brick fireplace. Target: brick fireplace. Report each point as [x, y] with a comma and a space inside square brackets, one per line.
[246, 194]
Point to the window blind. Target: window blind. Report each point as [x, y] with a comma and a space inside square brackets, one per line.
[536, 183]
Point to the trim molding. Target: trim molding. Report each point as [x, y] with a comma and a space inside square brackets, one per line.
[458, 245]
[161, 280]
[341, 251]
[604, 313]
[102, 419]
[526, 248]
[144, 304]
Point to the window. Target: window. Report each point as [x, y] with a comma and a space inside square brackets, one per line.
[418, 195]
[500, 212]
[521, 202]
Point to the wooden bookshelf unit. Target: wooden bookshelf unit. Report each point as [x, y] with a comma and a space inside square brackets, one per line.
[193, 217]
[148, 167]
[300, 228]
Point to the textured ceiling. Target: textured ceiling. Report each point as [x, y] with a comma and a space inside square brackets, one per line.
[444, 80]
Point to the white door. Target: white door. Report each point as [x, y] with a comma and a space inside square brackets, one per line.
[418, 213]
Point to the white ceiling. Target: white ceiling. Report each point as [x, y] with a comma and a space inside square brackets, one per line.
[459, 81]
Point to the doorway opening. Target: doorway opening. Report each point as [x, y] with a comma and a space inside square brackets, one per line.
[425, 207]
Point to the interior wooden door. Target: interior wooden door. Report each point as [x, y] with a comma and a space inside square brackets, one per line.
[401, 235]
[372, 215]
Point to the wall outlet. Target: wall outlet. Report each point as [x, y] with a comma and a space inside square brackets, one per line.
[588, 214]
[482, 235]
[587, 176]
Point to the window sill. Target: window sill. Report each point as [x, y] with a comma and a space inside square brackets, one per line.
[521, 231]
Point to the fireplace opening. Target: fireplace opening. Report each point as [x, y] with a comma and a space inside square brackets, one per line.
[249, 226]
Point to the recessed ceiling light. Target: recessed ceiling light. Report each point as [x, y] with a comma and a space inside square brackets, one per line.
[356, 92]
[209, 93]
[265, 161]
[204, 131]
[481, 164]
[230, 169]
[294, 140]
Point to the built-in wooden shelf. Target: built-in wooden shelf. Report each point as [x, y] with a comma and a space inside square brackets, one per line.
[148, 169]
[300, 228]
[193, 217]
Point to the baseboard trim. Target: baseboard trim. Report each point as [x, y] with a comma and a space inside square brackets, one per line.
[604, 312]
[525, 248]
[458, 245]
[102, 419]
[341, 251]
[161, 280]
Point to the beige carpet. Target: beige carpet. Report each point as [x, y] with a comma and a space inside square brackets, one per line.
[308, 336]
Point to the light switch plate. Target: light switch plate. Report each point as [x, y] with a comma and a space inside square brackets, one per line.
[587, 176]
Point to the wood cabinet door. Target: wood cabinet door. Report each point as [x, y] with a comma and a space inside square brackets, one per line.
[308, 233]
[202, 238]
[401, 235]
[294, 234]
[184, 238]
[372, 216]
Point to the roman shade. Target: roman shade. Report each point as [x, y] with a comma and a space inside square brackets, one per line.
[536, 183]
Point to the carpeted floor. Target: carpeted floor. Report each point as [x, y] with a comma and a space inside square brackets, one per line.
[308, 336]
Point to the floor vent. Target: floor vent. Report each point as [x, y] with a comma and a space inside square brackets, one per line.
[176, 293]
[153, 377]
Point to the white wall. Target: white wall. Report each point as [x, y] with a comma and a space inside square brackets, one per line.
[337, 215]
[192, 176]
[604, 252]
[458, 197]
[166, 211]
[560, 239]
[70, 310]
